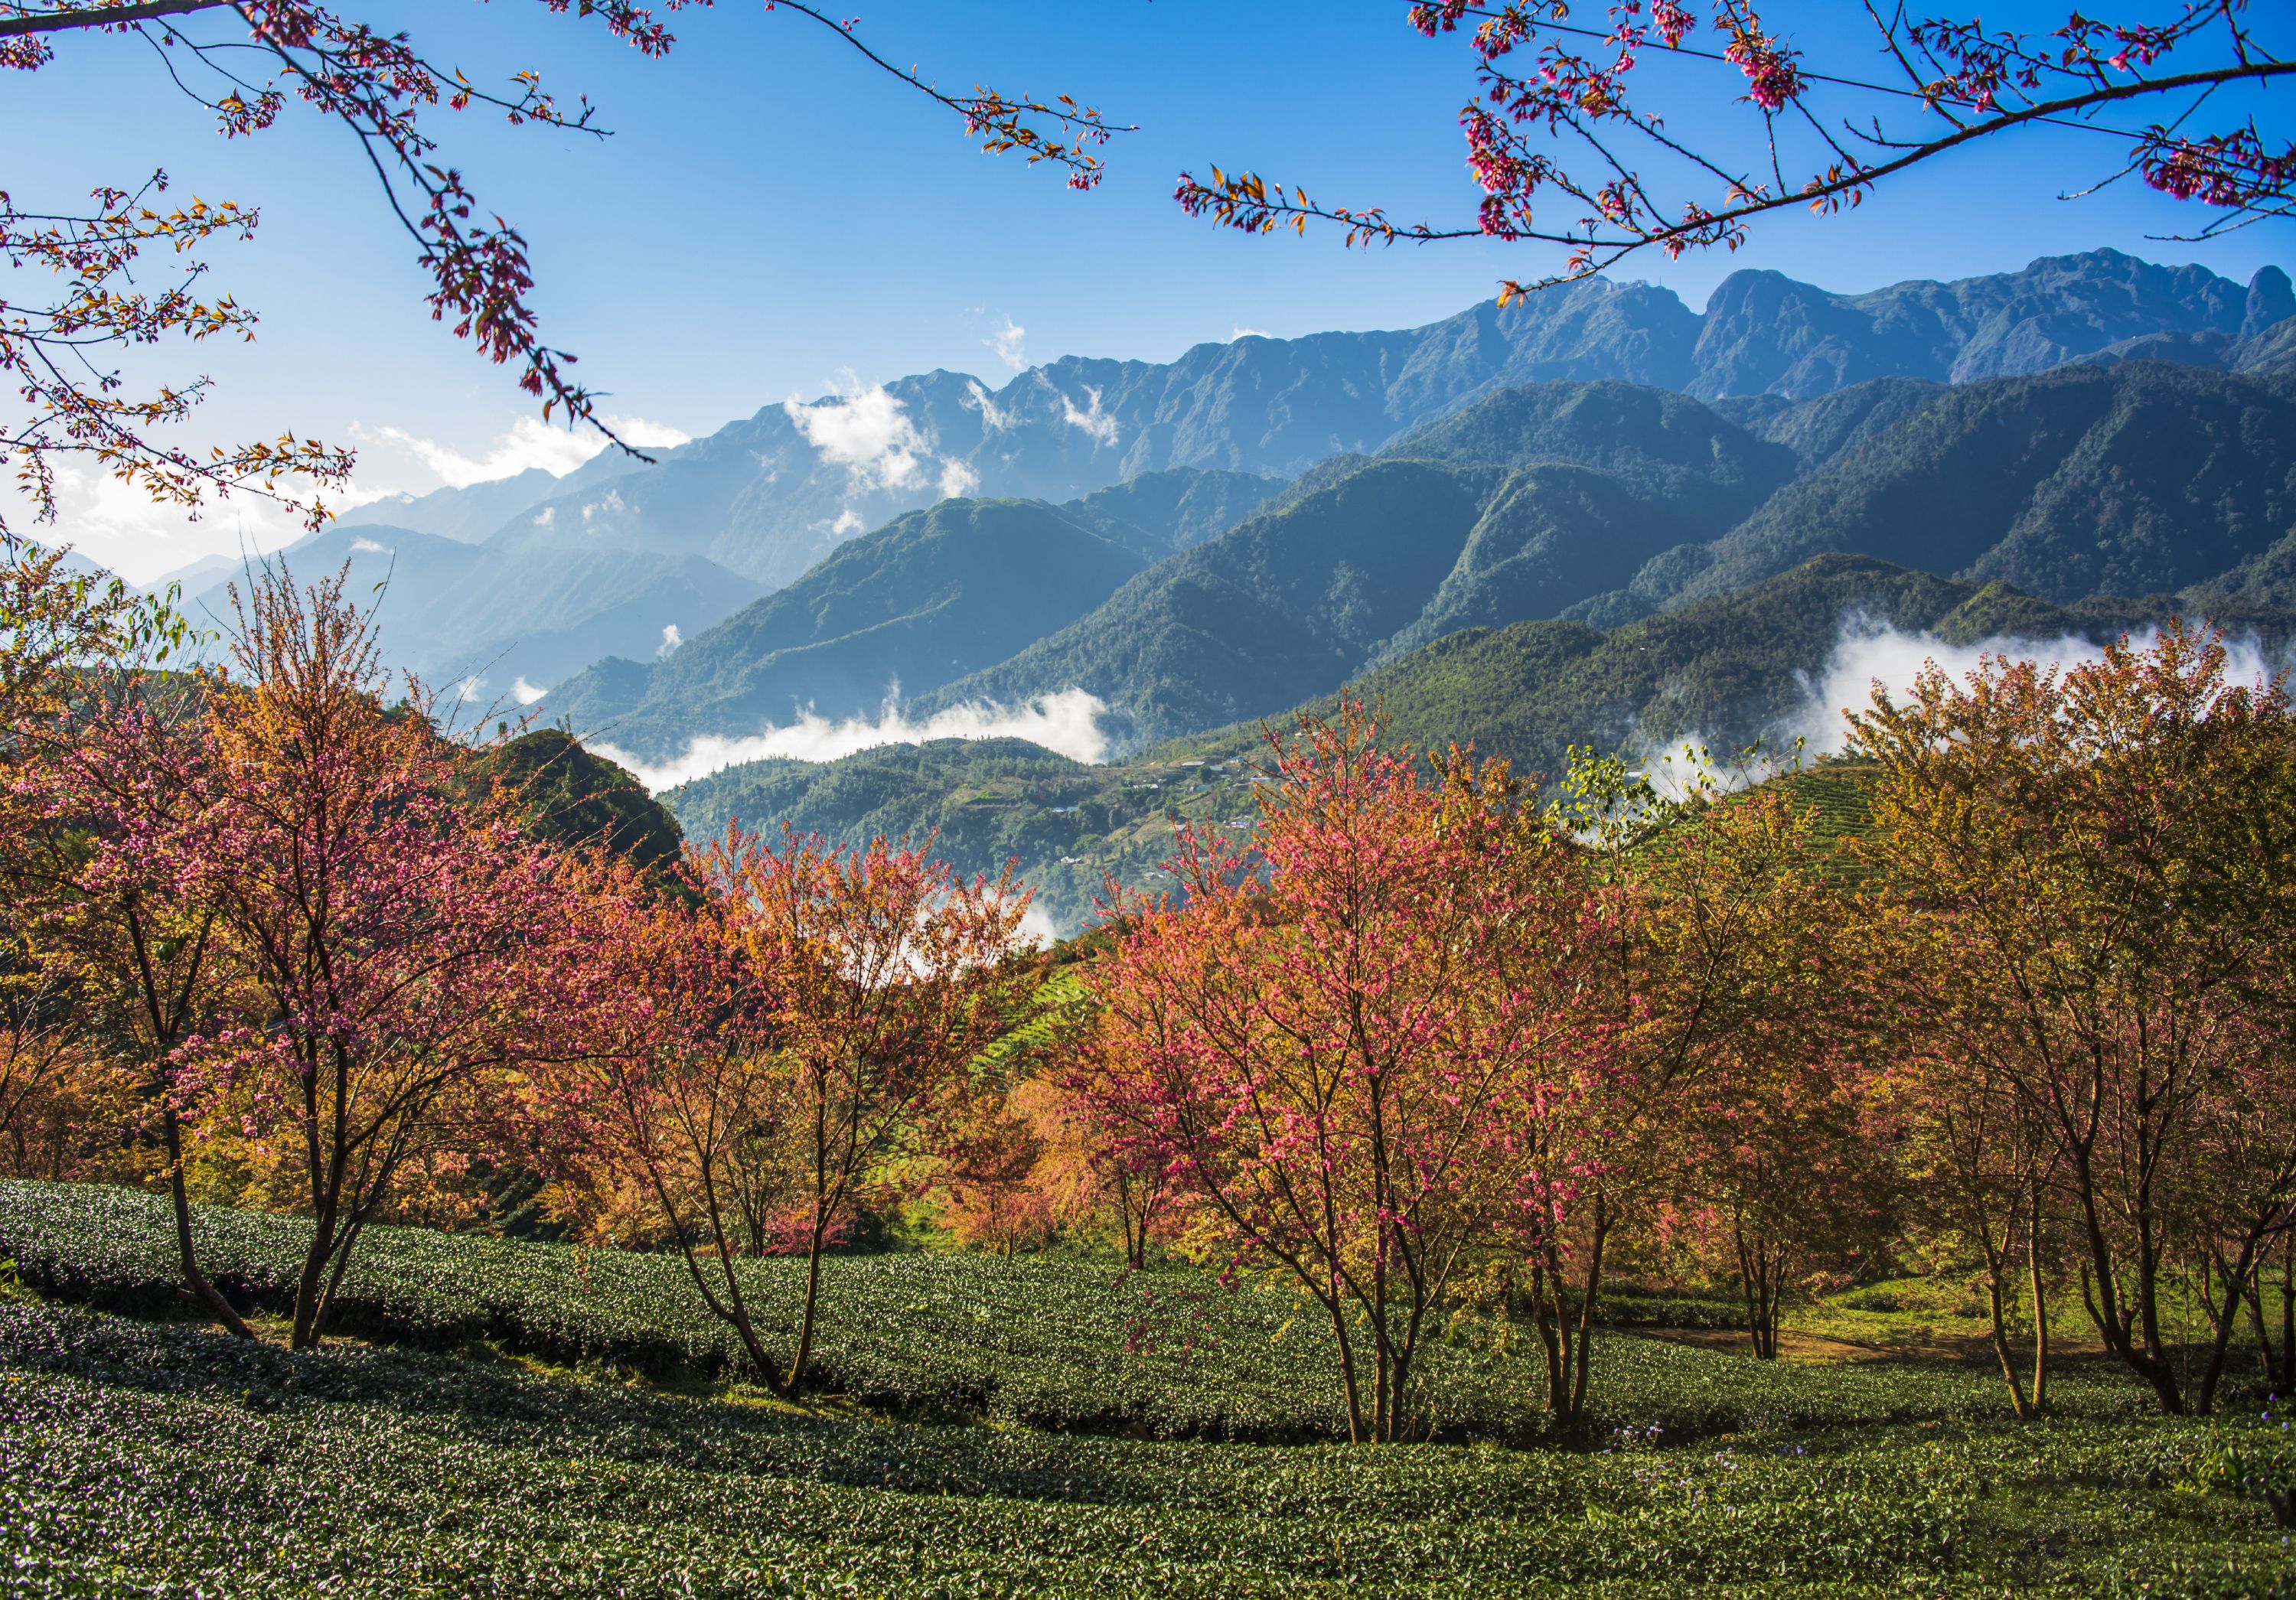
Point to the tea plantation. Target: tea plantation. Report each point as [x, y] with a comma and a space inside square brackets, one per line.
[142, 1457]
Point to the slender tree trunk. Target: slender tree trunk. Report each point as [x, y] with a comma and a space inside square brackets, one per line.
[2236, 1277]
[1337, 1306]
[1586, 1312]
[2040, 1305]
[309, 1282]
[195, 1279]
[812, 1302]
[2112, 1324]
[325, 1312]
[1997, 1297]
[1553, 1334]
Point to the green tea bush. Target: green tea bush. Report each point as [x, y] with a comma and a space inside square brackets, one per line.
[1058, 1343]
[170, 1461]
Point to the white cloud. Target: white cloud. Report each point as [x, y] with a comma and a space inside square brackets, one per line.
[121, 528]
[670, 640]
[1244, 332]
[524, 693]
[1007, 341]
[549, 514]
[369, 547]
[1038, 928]
[957, 479]
[529, 442]
[1093, 420]
[849, 522]
[1867, 651]
[991, 418]
[646, 435]
[1068, 722]
[868, 432]
[469, 689]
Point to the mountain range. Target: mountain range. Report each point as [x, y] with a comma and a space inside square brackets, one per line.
[1600, 518]
[767, 498]
[1740, 669]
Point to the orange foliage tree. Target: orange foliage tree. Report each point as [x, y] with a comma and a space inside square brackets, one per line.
[2089, 841]
[753, 1066]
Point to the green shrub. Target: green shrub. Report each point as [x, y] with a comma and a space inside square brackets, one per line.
[1048, 1342]
[167, 1460]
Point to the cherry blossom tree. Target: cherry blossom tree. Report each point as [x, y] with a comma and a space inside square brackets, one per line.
[1346, 1037]
[1979, 1164]
[885, 973]
[671, 1100]
[1574, 127]
[1713, 967]
[102, 792]
[750, 1064]
[246, 62]
[394, 939]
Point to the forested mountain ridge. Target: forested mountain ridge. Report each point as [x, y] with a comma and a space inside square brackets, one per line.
[1604, 502]
[1725, 672]
[934, 595]
[2135, 479]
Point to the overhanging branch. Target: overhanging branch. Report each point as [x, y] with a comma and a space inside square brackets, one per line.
[102, 16]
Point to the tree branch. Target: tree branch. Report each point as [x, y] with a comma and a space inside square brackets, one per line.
[104, 16]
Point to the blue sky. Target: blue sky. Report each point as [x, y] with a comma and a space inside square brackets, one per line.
[772, 219]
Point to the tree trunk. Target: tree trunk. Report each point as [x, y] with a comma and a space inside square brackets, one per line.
[789, 1388]
[1338, 1308]
[2236, 1277]
[2119, 1329]
[206, 1293]
[1586, 1310]
[2040, 1305]
[2023, 1407]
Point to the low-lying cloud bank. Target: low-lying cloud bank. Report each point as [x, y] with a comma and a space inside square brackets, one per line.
[1867, 652]
[1068, 723]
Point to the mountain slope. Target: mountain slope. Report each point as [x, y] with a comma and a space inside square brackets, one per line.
[1269, 613]
[932, 595]
[2133, 479]
[1705, 470]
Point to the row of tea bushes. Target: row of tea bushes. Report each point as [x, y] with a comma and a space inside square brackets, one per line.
[1055, 1343]
[169, 1461]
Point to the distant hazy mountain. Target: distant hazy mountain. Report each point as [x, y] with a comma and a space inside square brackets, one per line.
[196, 578]
[934, 595]
[452, 612]
[472, 513]
[769, 496]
